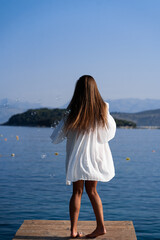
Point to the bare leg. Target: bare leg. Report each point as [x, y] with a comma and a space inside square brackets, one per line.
[74, 206]
[97, 207]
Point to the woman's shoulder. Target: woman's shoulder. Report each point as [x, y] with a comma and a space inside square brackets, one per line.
[107, 105]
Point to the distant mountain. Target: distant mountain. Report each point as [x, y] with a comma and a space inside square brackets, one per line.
[131, 105]
[48, 117]
[10, 107]
[145, 118]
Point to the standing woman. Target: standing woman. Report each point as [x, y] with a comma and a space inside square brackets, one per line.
[87, 126]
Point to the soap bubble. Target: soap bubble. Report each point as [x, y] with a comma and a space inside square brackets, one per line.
[58, 97]
[52, 175]
[6, 105]
[18, 99]
[43, 155]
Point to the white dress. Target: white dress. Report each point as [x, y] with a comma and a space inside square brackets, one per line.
[88, 157]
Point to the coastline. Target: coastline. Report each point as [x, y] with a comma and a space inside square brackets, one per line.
[140, 127]
[119, 127]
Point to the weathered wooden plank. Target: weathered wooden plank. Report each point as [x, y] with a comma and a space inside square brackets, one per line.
[65, 222]
[57, 230]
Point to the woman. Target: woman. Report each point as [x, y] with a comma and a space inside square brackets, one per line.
[88, 126]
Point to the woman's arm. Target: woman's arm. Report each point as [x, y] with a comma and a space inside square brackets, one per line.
[58, 134]
[108, 132]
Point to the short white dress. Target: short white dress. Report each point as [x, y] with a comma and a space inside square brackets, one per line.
[88, 156]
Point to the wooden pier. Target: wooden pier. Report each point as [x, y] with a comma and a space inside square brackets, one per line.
[59, 230]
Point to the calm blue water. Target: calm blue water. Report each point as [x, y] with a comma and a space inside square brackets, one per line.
[32, 184]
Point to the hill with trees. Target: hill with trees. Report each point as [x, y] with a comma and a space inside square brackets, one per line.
[45, 117]
[42, 117]
[145, 118]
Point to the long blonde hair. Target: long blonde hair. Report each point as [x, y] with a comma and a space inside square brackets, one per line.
[86, 108]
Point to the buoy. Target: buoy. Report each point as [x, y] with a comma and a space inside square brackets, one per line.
[5, 139]
[127, 158]
[12, 155]
[17, 138]
[56, 153]
[153, 150]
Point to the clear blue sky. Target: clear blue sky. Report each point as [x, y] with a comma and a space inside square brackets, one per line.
[46, 45]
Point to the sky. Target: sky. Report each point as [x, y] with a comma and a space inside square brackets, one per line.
[46, 45]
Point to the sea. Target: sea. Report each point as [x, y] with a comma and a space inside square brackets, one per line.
[32, 180]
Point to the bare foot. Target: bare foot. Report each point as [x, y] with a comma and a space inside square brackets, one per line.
[77, 235]
[97, 232]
